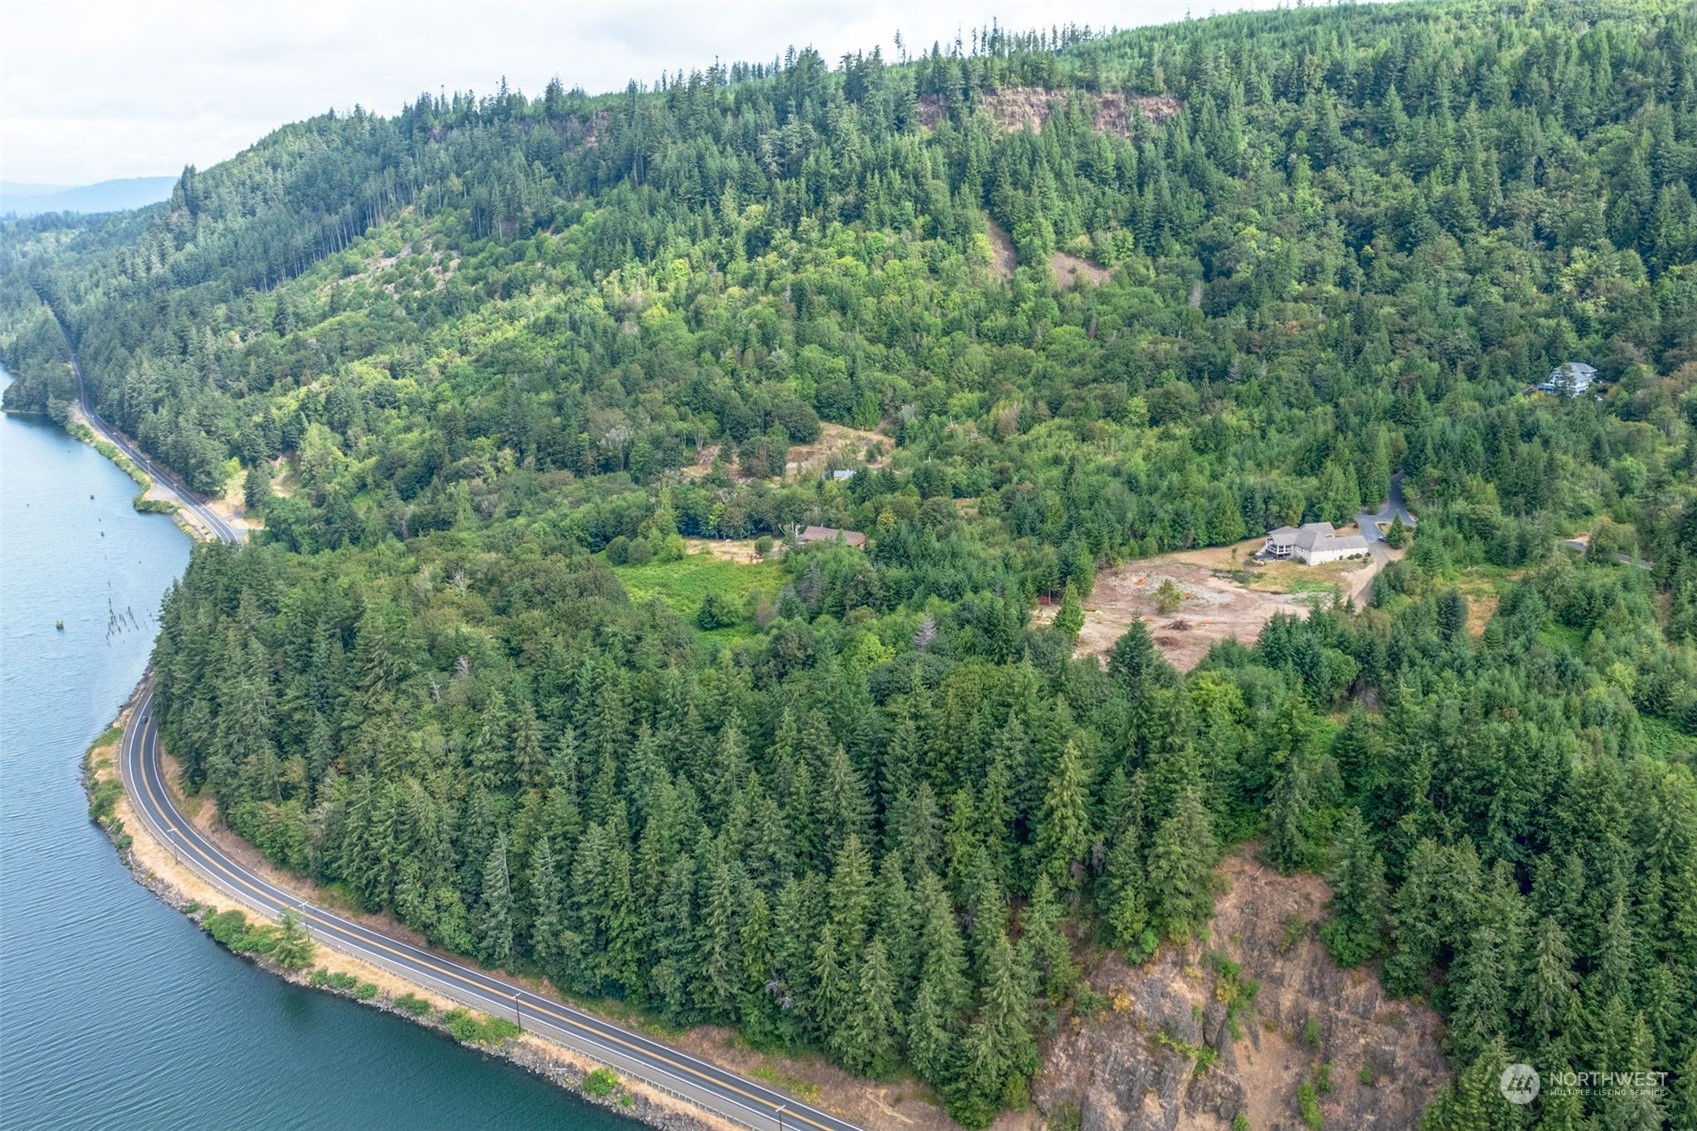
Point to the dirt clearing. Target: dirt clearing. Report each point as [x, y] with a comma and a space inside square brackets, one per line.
[1211, 605]
[1002, 261]
[1071, 271]
[846, 446]
[738, 550]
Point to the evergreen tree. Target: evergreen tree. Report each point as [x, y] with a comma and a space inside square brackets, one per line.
[1359, 898]
[1418, 919]
[833, 991]
[913, 827]
[548, 921]
[759, 1008]
[676, 948]
[1069, 618]
[1133, 660]
[442, 638]
[1289, 846]
[1043, 947]
[1181, 863]
[1339, 493]
[796, 920]
[1682, 1105]
[719, 946]
[1473, 1099]
[496, 934]
[1063, 833]
[934, 1023]
[898, 927]
[293, 948]
[1126, 904]
[866, 1042]
[1616, 947]
[1480, 991]
[623, 924]
[1547, 995]
[845, 809]
[993, 813]
[528, 759]
[998, 1052]
[851, 895]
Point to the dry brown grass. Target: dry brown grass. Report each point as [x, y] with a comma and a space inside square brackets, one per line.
[847, 445]
[1483, 596]
[1071, 271]
[739, 550]
[703, 462]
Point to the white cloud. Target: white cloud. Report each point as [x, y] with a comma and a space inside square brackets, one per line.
[93, 90]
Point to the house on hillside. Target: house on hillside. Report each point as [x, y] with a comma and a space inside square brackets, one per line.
[1312, 543]
[806, 534]
[1570, 378]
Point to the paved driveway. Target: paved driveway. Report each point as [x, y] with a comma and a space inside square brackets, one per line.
[1392, 510]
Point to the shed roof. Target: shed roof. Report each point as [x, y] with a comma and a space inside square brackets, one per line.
[829, 534]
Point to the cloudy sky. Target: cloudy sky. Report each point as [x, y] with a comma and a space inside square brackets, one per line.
[94, 90]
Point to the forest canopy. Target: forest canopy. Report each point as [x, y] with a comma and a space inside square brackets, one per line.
[1058, 301]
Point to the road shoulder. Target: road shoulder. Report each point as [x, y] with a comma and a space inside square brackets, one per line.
[156, 867]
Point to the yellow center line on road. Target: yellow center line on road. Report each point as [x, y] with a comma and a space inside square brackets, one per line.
[454, 975]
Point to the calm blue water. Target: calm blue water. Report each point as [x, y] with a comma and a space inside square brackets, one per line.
[116, 1011]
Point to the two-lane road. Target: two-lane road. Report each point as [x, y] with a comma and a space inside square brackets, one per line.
[691, 1079]
[163, 477]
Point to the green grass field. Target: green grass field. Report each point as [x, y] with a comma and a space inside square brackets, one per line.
[1301, 585]
[1559, 636]
[1667, 741]
[681, 585]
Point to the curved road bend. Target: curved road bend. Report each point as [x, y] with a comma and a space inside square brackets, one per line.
[696, 1081]
[693, 1080]
[1393, 508]
[166, 478]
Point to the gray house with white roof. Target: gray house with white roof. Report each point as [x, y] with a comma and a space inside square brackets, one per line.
[1313, 543]
[1570, 377]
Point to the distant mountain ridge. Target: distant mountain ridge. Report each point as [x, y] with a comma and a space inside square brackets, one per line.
[20, 199]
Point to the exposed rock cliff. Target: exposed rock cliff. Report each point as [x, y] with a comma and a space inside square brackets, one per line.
[1254, 1020]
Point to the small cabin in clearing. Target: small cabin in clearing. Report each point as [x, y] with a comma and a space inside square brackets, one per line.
[808, 534]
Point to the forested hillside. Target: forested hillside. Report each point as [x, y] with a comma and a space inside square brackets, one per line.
[482, 367]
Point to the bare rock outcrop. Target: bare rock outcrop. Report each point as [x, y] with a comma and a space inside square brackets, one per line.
[1017, 108]
[1254, 1020]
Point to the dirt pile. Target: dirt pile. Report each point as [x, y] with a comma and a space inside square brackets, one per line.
[1252, 1021]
